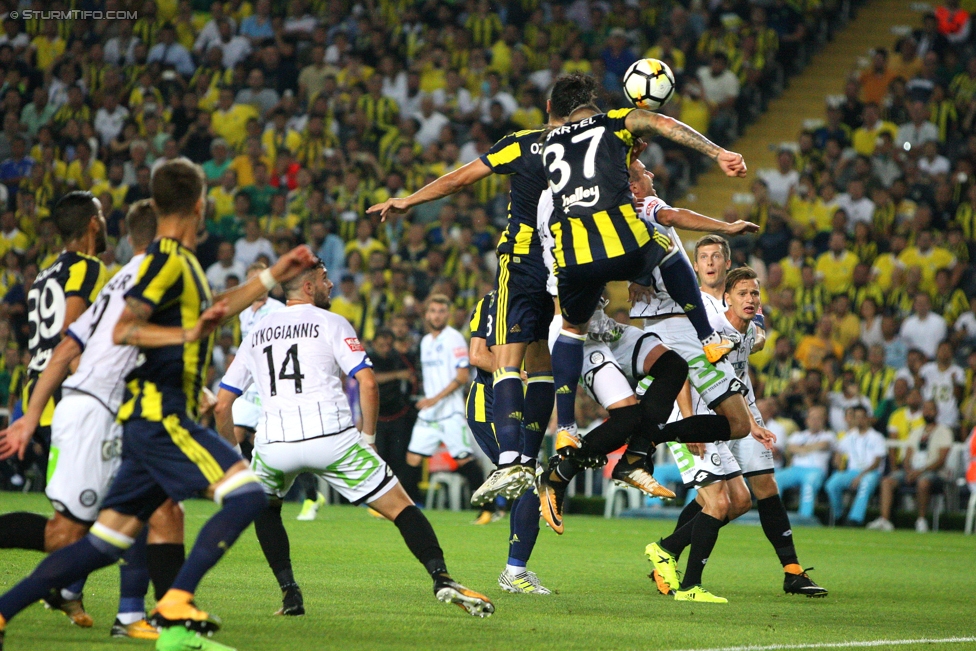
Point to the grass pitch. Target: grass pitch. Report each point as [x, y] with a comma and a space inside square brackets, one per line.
[363, 590]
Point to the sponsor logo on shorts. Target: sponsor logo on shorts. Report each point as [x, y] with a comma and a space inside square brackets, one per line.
[515, 328]
[716, 460]
[111, 449]
[701, 476]
[596, 358]
[354, 345]
[587, 380]
[737, 386]
[88, 497]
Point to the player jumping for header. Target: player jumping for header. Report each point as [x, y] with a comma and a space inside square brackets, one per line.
[599, 237]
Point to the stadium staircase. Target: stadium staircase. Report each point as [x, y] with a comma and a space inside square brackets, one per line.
[803, 100]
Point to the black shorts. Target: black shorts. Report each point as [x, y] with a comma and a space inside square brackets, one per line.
[581, 286]
[524, 309]
[174, 458]
[477, 411]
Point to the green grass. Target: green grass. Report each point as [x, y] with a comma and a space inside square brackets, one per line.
[363, 589]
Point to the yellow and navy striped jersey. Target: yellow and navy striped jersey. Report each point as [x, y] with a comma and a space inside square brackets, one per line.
[858, 294]
[593, 209]
[875, 384]
[72, 274]
[949, 305]
[174, 285]
[482, 321]
[520, 155]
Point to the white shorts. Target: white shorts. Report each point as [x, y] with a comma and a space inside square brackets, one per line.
[451, 431]
[696, 472]
[753, 458]
[344, 460]
[602, 376]
[246, 413]
[712, 383]
[611, 371]
[86, 451]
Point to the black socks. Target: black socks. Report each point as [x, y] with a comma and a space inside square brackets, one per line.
[776, 526]
[164, 562]
[421, 540]
[274, 543]
[22, 530]
[669, 372]
[696, 429]
[703, 538]
[410, 481]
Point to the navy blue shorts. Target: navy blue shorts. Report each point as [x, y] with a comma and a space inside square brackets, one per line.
[524, 308]
[478, 413]
[174, 458]
[580, 286]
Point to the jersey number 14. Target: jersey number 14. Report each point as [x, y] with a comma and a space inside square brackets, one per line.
[296, 369]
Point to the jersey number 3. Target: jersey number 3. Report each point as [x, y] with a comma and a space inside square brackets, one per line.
[296, 369]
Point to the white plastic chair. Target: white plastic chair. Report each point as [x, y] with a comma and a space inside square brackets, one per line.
[444, 486]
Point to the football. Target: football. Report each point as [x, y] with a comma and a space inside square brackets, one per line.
[649, 84]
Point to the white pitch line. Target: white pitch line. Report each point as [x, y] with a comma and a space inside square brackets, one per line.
[843, 645]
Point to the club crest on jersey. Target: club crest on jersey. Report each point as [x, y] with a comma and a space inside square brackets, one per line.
[582, 197]
[354, 345]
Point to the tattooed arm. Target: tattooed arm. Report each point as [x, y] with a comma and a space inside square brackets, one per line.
[646, 124]
[133, 327]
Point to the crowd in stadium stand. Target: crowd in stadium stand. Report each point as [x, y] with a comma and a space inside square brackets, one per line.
[868, 226]
[305, 113]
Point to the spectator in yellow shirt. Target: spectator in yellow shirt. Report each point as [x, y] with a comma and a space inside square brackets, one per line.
[886, 264]
[47, 47]
[114, 185]
[929, 259]
[846, 326]
[835, 268]
[528, 115]
[792, 264]
[665, 50]
[279, 218]
[866, 136]
[11, 237]
[365, 243]
[223, 194]
[904, 419]
[692, 109]
[229, 120]
[85, 171]
[814, 349]
[577, 61]
[244, 164]
[349, 303]
[279, 136]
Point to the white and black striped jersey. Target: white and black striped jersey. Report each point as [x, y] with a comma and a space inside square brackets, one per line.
[296, 358]
[660, 303]
[104, 365]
